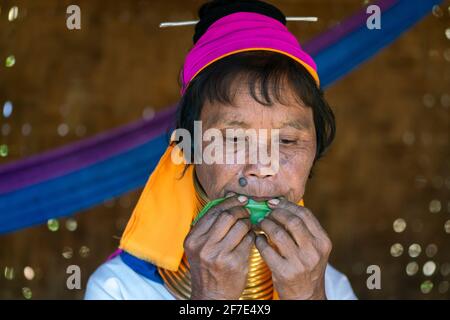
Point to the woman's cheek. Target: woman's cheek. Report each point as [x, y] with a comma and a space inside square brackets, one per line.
[294, 171]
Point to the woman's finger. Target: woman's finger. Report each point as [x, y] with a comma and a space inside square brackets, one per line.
[235, 234]
[279, 237]
[304, 213]
[269, 255]
[225, 221]
[294, 224]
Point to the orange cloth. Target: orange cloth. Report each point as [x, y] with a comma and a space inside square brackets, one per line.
[163, 215]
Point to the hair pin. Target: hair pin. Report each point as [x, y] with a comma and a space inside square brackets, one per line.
[194, 22]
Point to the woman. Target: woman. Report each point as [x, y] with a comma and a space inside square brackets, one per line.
[245, 71]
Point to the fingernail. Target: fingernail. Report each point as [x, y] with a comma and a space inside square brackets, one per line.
[274, 202]
[242, 198]
[229, 194]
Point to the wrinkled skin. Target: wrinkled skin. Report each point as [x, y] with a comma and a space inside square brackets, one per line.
[218, 246]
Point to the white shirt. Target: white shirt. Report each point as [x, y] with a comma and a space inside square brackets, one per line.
[115, 280]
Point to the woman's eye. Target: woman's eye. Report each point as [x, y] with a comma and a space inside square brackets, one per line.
[288, 141]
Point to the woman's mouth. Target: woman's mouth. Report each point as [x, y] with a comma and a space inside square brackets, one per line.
[256, 198]
[261, 199]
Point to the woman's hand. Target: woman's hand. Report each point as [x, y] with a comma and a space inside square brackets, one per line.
[218, 248]
[298, 253]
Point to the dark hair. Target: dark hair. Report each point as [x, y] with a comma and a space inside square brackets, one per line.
[212, 11]
[265, 73]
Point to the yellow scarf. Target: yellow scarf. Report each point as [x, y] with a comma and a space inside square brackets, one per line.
[163, 215]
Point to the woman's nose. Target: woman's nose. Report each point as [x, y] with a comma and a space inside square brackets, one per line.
[259, 171]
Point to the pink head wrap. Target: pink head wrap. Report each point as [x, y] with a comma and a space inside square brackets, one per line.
[243, 31]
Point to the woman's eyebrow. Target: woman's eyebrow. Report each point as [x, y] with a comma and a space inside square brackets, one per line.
[237, 123]
[227, 123]
[298, 124]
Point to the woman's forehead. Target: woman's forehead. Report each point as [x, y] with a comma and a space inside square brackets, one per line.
[245, 112]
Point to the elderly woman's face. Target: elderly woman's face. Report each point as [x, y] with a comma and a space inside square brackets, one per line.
[297, 148]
